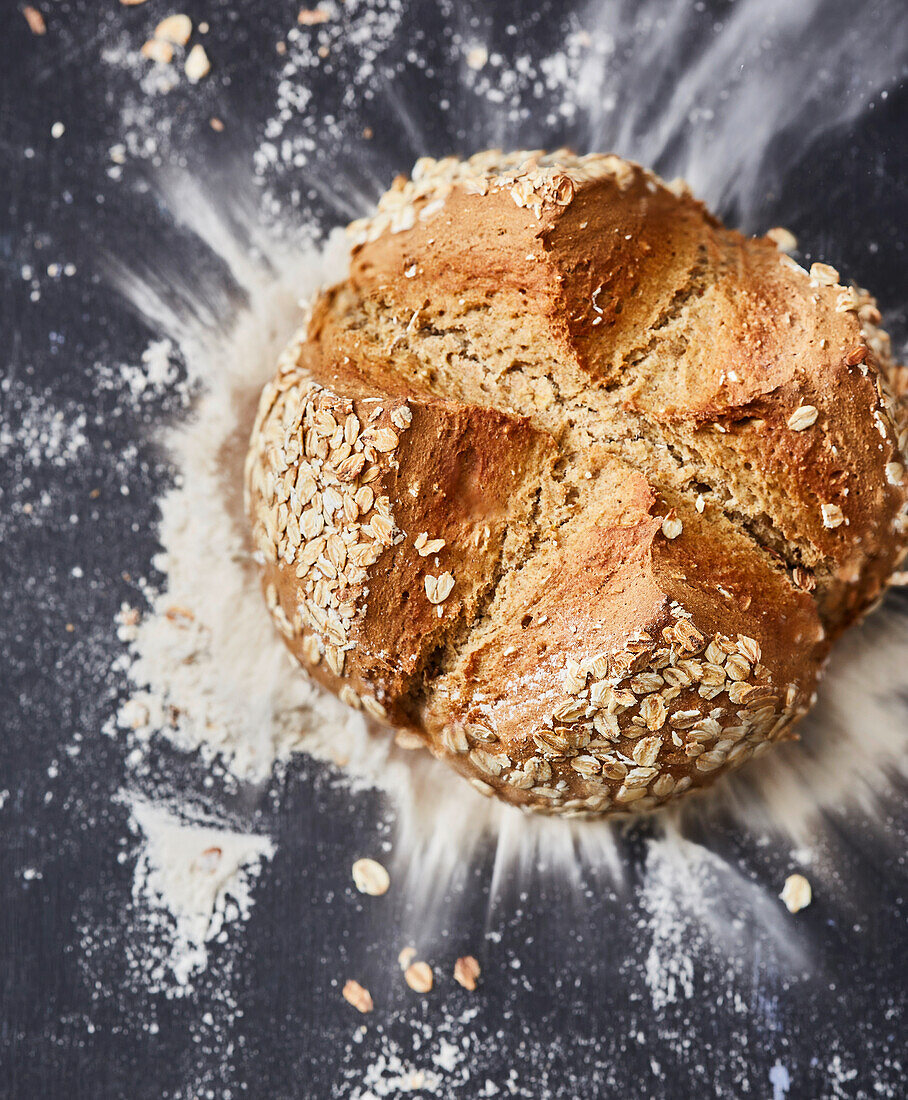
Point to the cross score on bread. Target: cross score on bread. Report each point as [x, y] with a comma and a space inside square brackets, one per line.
[574, 482]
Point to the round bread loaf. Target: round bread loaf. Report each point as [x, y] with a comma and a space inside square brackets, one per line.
[574, 483]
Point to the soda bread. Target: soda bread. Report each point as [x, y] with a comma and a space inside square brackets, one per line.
[573, 482]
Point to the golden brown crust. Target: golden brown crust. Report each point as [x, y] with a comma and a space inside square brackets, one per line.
[716, 341]
[365, 591]
[621, 666]
[574, 481]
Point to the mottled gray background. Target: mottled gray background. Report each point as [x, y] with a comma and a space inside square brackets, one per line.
[564, 1009]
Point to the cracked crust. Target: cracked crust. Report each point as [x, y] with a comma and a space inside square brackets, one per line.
[574, 482]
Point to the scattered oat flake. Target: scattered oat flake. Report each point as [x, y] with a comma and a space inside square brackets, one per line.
[35, 20]
[370, 877]
[895, 473]
[207, 863]
[783, 239]
[158, 51]
[197, 63]
[386, 440]
[176, 612]
[216, 125]
[796, 893]
[824, 274]
[175, 29]
[311, 17]
[466, 971]
[832, 515]
[406, 956]
[357, 996]
[672, 527]
[131, 3]
[418, 977]
[439, 588]
[406, 739]
[429, 546]
[803, 417]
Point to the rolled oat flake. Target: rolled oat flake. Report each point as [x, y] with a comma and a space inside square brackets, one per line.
[370, 877]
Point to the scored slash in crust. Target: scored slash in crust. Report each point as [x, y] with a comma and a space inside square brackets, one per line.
[574, 484]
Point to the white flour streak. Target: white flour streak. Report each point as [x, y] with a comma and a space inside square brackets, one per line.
[156, 374]
[853, 743]
[191, 880]
[745, 76]
[210, 672]
[208, 669]
[700, 914]
[442, 1064]
[663, 83]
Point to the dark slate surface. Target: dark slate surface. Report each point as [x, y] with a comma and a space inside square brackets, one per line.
[576, 1018]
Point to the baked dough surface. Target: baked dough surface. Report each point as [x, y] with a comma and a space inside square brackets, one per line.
[575, 483]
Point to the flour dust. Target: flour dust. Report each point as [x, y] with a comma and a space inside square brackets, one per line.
[716, 100]
[209, 673]
[192, 878]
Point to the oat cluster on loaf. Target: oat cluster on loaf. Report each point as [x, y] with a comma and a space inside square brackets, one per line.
[574, 484]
